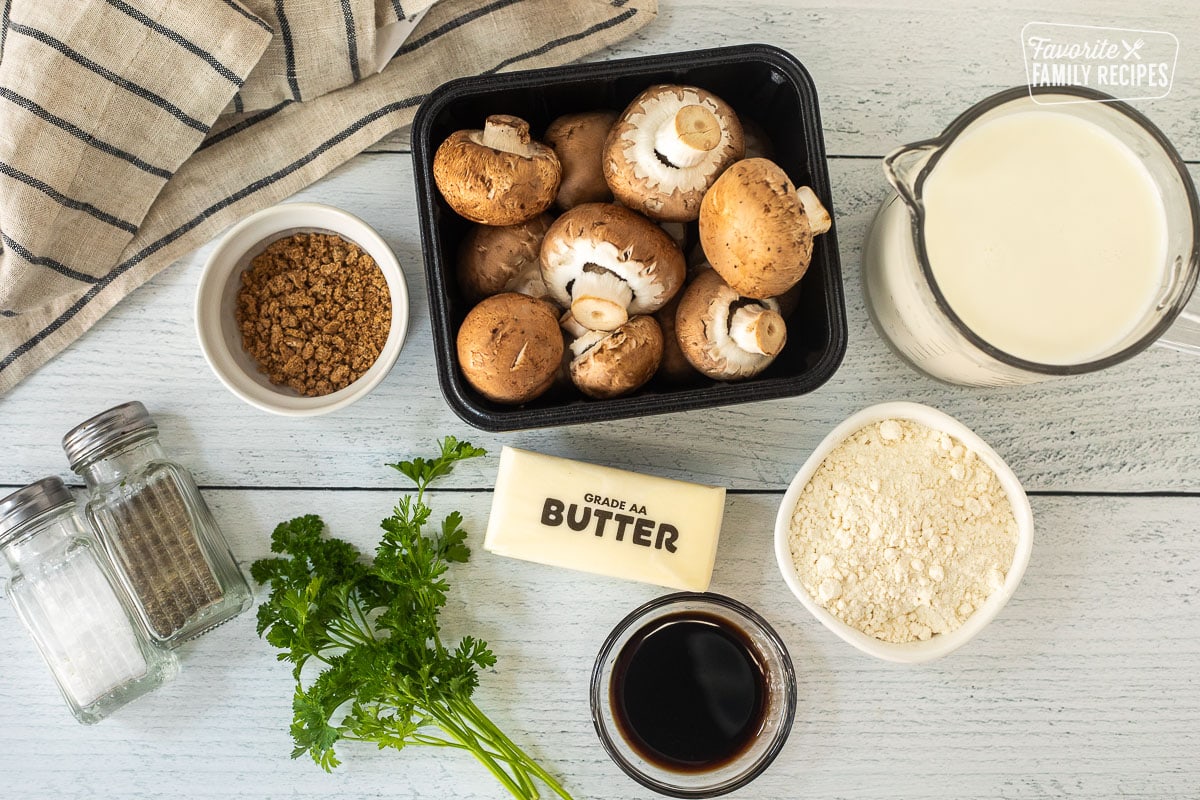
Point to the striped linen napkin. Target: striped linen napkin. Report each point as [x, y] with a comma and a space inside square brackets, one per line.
[133, 131]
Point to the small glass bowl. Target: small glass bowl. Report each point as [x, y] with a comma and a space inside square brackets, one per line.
[776, 724]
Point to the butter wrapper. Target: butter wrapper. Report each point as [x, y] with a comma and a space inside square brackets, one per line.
[606, 521]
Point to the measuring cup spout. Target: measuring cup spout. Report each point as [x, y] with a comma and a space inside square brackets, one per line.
[903, 165]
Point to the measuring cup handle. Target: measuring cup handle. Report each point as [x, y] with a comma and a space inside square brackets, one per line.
[1184, 334]
[903, 165]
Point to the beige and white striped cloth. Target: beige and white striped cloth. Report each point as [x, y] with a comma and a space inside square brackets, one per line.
[133, 131]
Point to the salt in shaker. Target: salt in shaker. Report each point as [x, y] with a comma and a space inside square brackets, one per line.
[67, 597]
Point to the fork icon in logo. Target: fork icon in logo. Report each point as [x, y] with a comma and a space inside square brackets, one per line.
[1132, 49]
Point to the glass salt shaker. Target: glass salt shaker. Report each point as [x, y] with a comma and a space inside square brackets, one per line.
[67, 597]
[155, 526]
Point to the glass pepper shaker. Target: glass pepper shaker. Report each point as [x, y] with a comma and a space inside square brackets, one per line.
[67, 597]
[155, 526]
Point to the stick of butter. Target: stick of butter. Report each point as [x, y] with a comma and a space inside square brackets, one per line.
[603, 520]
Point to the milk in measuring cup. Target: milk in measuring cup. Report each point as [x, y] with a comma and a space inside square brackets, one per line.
[1046, 235]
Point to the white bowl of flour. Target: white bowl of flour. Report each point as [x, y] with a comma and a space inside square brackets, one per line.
[904, 533]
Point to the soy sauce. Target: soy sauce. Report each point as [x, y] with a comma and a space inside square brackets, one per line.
[688, 692]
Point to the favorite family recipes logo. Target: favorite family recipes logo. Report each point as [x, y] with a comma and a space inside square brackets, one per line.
[1125, 63]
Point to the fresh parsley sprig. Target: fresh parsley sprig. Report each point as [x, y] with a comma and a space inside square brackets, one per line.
[386, 676]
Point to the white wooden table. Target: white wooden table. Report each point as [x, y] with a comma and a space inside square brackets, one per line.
[1087, 685]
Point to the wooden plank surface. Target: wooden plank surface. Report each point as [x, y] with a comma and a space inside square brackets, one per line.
[894, 72]
[1084, 686]
[1131, 428]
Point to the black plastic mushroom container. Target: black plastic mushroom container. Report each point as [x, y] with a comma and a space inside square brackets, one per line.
[762, 83]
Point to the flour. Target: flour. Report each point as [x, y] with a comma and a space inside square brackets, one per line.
[902, 532]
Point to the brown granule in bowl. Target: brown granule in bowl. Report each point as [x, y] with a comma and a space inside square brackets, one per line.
[314, 312]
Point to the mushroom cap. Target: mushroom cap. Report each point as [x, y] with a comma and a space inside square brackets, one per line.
[758, 143]
[578, 141]
[510, 347]
[754, 230]
[637, 174]
[494, 259]
[674, 367]
[683, 234]
[498, 175]
[621, 361]
[607, 237]
[702, 324]
[789, 301]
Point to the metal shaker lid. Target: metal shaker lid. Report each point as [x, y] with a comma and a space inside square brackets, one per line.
[90, 438]
[26, 503]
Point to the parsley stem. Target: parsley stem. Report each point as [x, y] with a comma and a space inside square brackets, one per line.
[356, 608]
[436, 741]
[515, 760]
[348, 628]
[446, 722]
[516, 756]
[417, 738]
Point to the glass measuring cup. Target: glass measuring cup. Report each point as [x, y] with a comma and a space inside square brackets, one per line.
[912, 312]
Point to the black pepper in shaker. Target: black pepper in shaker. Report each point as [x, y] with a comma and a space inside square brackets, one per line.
[155, 527]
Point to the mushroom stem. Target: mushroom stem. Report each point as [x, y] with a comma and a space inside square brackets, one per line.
[756, 329]
[599, 300]
[571, 325]
[587, 341]
[529, 282]
[818, 217]
[506, 133]
[685, 138]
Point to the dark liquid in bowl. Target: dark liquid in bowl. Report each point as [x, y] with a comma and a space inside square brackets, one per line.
[689, 692]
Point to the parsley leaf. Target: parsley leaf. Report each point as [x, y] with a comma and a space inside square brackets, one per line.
[385, 676]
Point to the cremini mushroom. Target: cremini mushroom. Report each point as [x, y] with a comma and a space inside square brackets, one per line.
[757, 229]
[498, 175]
[789, 301]
[510, 347]
[494, 259]
[668, 147]
[606, 364]
[758, 144]
[724, 335]
[606, 263]
[675, 367]
[578, 141]
[680, 232]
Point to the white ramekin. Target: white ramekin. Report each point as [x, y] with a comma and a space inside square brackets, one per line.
[939, 644]
[216, 300]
